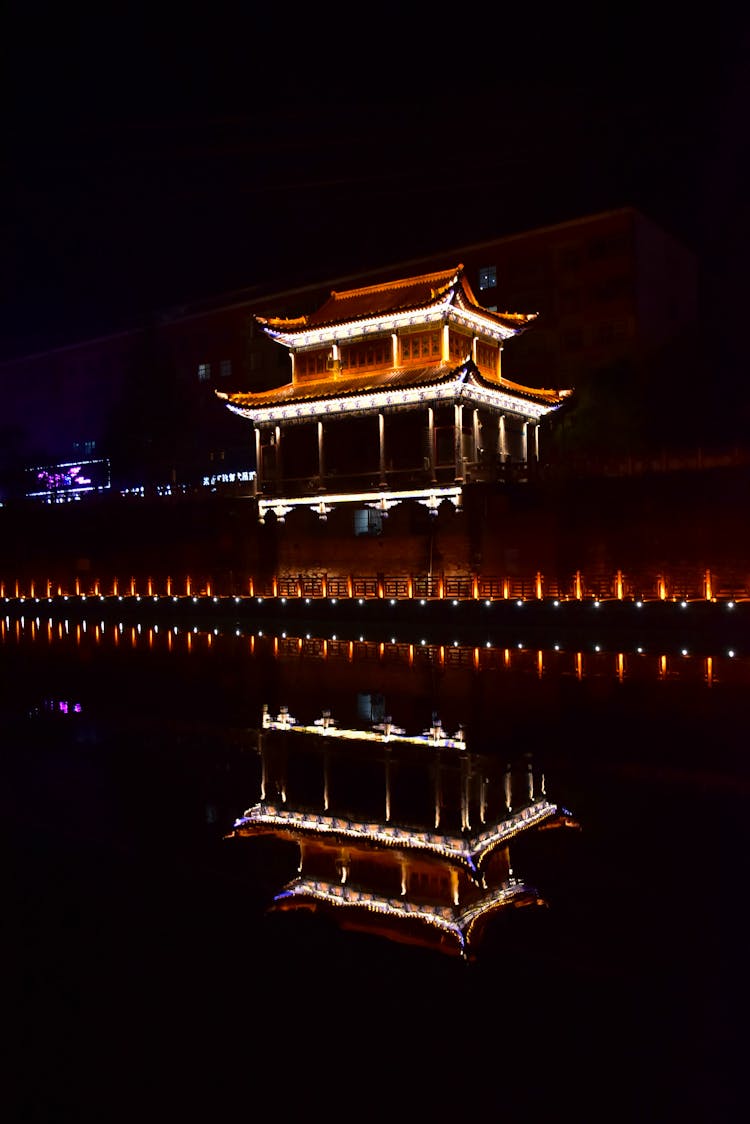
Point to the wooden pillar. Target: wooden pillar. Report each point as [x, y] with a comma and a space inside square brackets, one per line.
[326, 778]
[457, 441]
[388, 787]
[438, 792]
[263, 766]
[321, 455]
[445, 353]
[278, 473]
[502, 438]
[258, 478]
[465, 794]
[431, 442]
[454, 886]
[381, 446]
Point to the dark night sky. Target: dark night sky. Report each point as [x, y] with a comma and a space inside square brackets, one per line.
[148, 162]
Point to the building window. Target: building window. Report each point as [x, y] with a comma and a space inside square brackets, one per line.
[570, 257]
[487, 276]
[572, 340]
[459, 346]
[371, 707]
[204, 372]
[368, 522]
[225, 368]
[486, 356]
[377, 353]
[423, 346]
[310, 363]
[570, 301]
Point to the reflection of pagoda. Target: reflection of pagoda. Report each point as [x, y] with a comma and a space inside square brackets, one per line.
[401, 836]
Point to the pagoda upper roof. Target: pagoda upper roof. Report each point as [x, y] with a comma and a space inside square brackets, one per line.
[448, 287]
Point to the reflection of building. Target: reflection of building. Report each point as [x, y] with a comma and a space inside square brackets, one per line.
[404, 837]
[396, 393]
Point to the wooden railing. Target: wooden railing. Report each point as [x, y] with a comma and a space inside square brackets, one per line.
[679, 584]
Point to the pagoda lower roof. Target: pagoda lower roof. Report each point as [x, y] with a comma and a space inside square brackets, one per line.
[443, 380]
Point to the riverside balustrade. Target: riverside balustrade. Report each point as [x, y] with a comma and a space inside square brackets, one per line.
[680, 584]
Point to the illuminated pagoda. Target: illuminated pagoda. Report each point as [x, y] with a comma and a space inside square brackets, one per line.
[396, 394]
[402, 837]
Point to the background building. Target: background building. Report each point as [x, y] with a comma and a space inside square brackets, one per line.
[613, 291]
